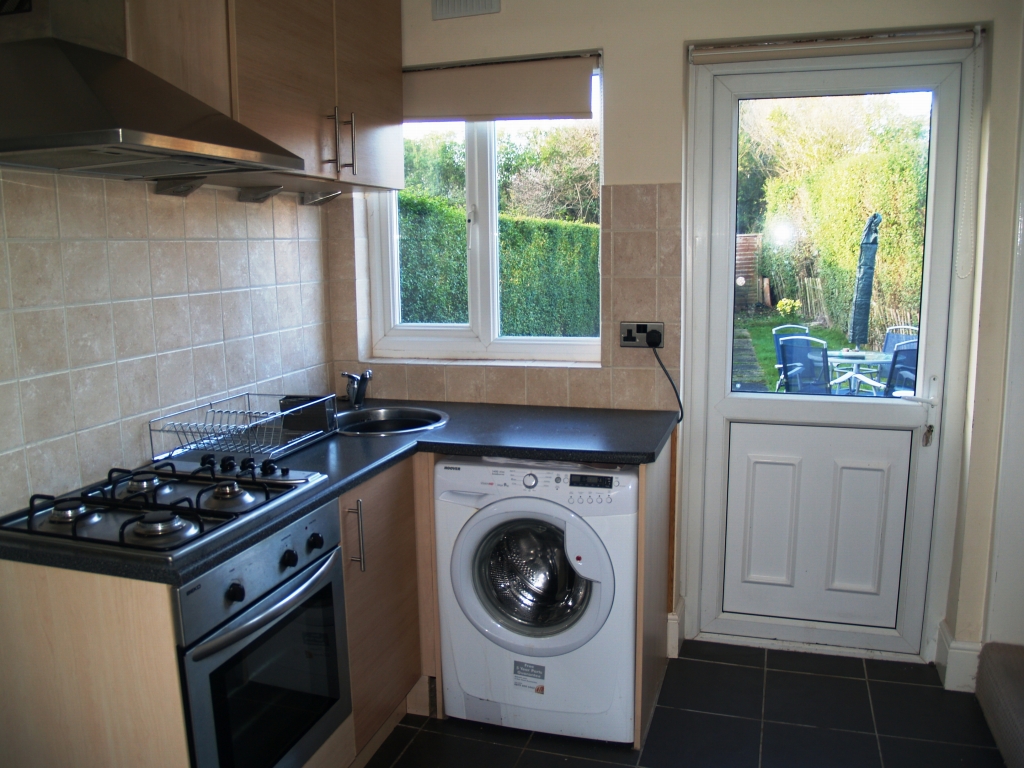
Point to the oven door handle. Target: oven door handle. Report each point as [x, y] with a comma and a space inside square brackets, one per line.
[309, 585]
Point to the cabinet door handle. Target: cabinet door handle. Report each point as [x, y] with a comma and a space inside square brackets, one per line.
[351, 123]
[338, 122]
[358, 511]
[337, 140]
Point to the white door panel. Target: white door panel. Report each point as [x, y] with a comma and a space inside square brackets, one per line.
[814, 525]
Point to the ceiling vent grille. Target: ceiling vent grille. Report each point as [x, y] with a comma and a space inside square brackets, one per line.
[453, 9]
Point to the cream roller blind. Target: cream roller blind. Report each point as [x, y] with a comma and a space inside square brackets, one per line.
[548, 88]
[895, 43]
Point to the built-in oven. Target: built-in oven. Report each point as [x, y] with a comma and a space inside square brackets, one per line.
[267, 687]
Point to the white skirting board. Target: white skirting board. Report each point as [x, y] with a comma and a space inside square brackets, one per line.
[673, 635]
[957, 661]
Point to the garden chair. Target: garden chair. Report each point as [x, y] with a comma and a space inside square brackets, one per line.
[898, 334]
[805, 366]
[777, 333]
[902, 377]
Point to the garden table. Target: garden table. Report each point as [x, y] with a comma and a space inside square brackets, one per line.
[855, 359]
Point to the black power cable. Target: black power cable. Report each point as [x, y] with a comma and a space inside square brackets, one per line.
[653, 339]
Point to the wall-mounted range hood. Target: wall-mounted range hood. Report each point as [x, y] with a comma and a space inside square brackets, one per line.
[68, 107]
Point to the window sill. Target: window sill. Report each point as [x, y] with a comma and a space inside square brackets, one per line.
[489, 363]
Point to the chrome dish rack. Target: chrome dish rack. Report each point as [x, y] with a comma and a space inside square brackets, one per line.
[250, 424]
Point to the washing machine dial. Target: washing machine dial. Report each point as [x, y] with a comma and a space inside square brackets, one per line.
[530, 480]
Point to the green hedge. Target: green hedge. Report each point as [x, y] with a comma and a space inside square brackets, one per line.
[831, 205]
[432, 236]
[549, 270]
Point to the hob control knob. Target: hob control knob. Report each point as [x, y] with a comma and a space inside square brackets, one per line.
[235, 593]
[227, 464]
[268, 467]
[247, 463]
[208, 460]
[316, 541]
[530, 480]
[290, 558]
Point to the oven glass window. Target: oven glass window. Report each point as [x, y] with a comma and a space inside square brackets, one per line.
[270, 694]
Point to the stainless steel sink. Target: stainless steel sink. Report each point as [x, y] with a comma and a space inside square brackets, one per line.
[382, 422]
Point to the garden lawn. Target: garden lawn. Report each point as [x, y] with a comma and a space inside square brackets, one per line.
[760, 329]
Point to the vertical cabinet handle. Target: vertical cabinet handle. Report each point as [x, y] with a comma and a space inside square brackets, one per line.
[337, 140]
[338, 122]
[358, 511]
[351, 123]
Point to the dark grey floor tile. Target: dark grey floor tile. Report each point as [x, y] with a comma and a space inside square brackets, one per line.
[530, 759]
[439, 750]
[743, 655]
[717, 688]
[801, 746]
[679, 739]
[414, 721]
[392, 747]
[923, 712]
[903, 672]
[828, 702]
[908, 753]
[815, 663]
[469, 729]
[606, 751]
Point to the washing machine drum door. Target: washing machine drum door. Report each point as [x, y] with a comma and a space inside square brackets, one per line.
[533, 576]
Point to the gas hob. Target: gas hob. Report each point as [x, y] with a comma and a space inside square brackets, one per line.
[164, 512]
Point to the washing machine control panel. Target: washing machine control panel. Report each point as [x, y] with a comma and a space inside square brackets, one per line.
[587, 490]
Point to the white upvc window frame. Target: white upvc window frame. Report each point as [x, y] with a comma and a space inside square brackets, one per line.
[478, 339]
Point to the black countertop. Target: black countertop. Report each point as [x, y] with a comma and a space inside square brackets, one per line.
[586, 435]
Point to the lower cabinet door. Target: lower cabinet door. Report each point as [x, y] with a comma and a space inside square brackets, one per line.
[381, 601]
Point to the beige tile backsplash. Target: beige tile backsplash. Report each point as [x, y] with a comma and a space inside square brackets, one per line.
[641, 265]
[118, 305]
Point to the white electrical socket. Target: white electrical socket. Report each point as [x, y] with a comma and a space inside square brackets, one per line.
[635, 334]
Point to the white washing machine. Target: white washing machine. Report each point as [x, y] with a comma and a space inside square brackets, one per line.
[537, 589]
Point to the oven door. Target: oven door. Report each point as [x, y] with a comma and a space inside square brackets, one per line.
[268, 688]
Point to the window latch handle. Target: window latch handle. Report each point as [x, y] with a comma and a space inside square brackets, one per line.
[470, 220]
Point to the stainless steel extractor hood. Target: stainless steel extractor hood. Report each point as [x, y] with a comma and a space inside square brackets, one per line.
[67, 107]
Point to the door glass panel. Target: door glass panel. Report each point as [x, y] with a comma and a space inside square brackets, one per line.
[432, 225]
[831, 195]
[525, 581]
[267, 696]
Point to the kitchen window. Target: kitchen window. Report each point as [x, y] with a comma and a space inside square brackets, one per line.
[492, 251]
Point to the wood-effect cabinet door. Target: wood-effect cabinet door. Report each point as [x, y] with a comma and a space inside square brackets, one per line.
[185, 43]
[284, 60]
[369, 57]
[381, 603]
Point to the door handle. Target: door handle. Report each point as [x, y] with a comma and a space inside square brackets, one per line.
[358, 511]
[338, 122]
[931, 401]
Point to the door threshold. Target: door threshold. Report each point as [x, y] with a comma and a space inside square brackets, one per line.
[790, 645]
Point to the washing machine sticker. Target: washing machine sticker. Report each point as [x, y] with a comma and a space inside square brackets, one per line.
[527, 675]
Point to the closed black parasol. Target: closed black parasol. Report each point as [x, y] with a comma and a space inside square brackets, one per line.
[860, 313]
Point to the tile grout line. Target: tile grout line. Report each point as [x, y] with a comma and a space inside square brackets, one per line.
[764, 697]
[874, 722]
[402, 751]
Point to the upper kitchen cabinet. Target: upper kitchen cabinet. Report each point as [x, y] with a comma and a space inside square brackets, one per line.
[296, 63]
[185, 43]
[284, 65]
[369, 66]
